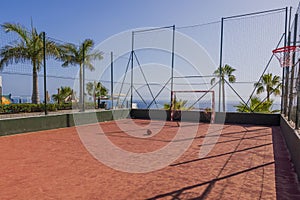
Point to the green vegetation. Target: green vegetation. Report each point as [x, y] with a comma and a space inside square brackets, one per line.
[29, 47]
[96, 90]
[223, 73]
[256, 105]
[28, 107]
[64, 95]
[177, 105]
[269, 83]
[73, 55]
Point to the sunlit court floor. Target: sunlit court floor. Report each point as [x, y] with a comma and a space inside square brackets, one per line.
[244, 162]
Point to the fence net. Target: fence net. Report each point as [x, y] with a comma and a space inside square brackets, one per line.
[137, 66]
[291, 74]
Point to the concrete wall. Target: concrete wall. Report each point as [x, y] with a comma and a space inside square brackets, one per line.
[292, 140]
[38, 123]
[29, 124]
[250, 118]
[194, 116]
[165, 115]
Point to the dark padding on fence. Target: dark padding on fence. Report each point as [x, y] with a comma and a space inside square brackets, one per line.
[195, 116]
[39, 123]
[251, 118]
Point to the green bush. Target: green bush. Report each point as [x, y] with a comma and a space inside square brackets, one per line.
[50, 107]
[64, 106]
[36, 108]
[5, 108]
[27, 108]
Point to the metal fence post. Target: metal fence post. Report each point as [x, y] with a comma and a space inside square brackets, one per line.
[45, 71]
[221, 62]
[291, 96]
[83, 78]
[131, 77]
[172, 67]
[286, 84]
[297, 121]
[112, 79]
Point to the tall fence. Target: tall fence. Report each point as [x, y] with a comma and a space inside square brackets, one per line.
[291, 95]
[142, 67]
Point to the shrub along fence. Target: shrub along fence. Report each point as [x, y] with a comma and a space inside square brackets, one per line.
[28, 107]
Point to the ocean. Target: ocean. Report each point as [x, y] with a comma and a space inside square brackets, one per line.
[230, 105]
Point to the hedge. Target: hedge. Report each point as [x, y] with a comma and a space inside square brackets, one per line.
[27, 108]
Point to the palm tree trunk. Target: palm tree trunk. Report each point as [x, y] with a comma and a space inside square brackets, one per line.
[268, 94]
[58, 95]
[223, 93]
[35, 90]
[94, 96]
[80, 85]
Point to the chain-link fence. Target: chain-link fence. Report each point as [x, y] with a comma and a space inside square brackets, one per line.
[291, 96]
[141, 68]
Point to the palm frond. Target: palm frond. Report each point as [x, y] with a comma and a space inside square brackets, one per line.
[256, 105]
[228, 70]
[257, 84]
[73, 55]
[90, 88]
[13, 54]
[89, 66]
[269, 83]
[231, 78]
[212, 81]
[52, 49]
[260, 89]
[217, 72]
[17, 28]
[29, 47]
[225, 71]
[96, 55]
[88, 44]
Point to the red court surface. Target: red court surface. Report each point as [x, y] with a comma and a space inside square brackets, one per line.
[247, 162]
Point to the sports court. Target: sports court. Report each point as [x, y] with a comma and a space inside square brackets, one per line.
[204, 109]
[247, 162]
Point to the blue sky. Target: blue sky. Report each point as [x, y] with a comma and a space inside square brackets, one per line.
[73, 21]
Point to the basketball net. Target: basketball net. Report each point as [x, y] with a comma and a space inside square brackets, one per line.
[285, 55]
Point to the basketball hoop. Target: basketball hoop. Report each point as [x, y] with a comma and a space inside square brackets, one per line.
[285, 55]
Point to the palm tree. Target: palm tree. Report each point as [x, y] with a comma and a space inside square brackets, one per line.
[222, 73]
[96, 90]
[62, 94]
[256, 105]
[269, 83]
[29, 47]
[177, 105]
[74, 55]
